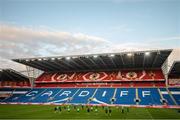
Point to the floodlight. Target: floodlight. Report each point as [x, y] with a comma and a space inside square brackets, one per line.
[68, 58]
[112, 55]
[129, 54]
[95, 56]
[147, 53]
[39, 59]
[52, 58]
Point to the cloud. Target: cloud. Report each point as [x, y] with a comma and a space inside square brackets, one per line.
[22, 42]
[29, 35]
[6, 63]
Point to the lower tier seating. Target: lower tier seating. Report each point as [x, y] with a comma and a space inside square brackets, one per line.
[13, 94]
[117, 96]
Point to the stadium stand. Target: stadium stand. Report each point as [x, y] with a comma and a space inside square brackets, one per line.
[121, 96]
[12, 93]
[152, 75]
[174, 76]
[13, 79]
[130, 78]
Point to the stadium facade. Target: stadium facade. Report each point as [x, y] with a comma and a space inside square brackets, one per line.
[137, 78]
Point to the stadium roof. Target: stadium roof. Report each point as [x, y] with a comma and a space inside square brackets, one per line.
[123, 60]
[10, 74]
[175, 69]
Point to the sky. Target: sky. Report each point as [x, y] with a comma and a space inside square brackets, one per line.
[32, 28]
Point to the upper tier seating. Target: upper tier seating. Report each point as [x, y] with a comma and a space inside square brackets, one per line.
[111, 76]
[14, 84]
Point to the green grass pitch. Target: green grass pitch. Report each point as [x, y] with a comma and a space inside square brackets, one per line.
[47, 112]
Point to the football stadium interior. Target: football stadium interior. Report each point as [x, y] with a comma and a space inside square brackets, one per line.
[140, 79]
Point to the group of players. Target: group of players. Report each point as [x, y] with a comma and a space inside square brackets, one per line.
[89, 109]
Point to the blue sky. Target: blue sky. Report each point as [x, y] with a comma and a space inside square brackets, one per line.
[116, 20]
[89, 24]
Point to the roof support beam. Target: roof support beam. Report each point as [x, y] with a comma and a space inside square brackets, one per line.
[16, 76]
[122, 60]
[102, 61]
[94, 62]
[133, 60]
[35, 66]
[0, 74]
[7, 74]
[34, 62]
[19, 74]
[60, 65]
[68, 65]
[155, 59]
[49, 64]
[74, 62]
[112, 61]
[85, 63]
[143, 60]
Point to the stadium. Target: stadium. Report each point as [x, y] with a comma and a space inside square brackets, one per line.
[124, 85]
[89, 59]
